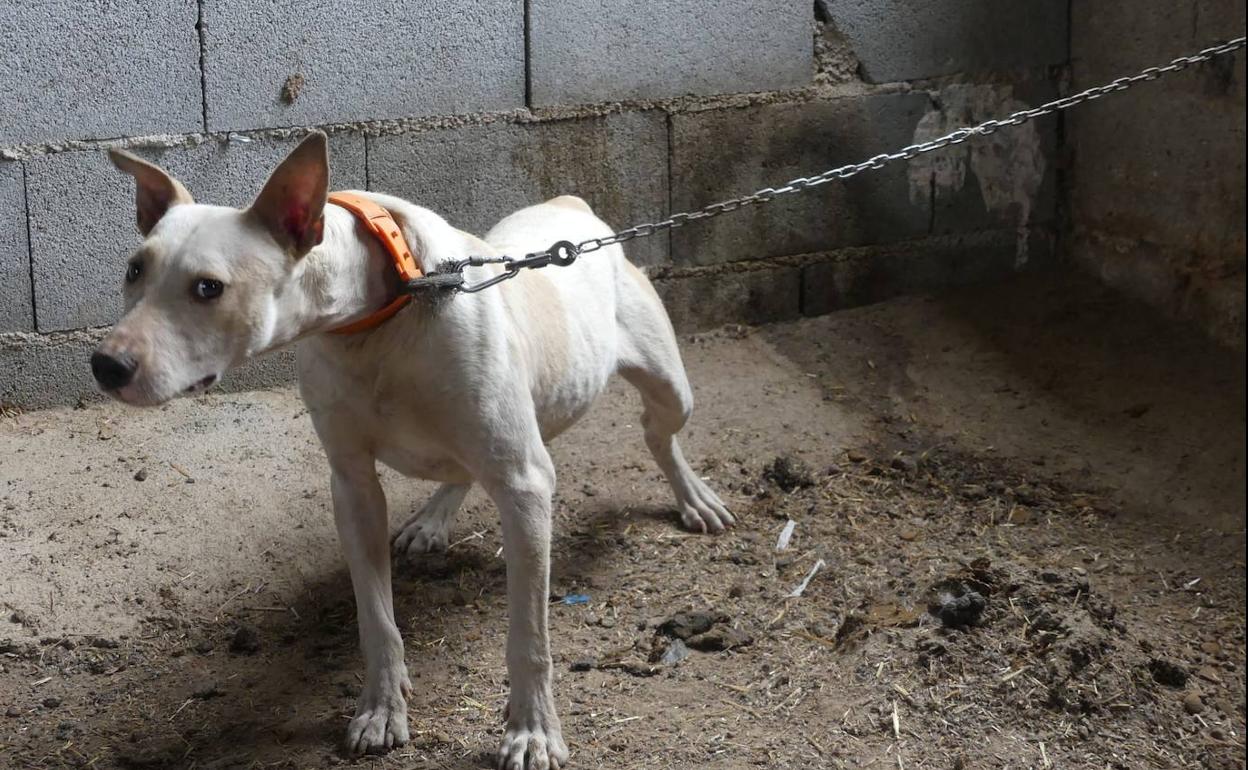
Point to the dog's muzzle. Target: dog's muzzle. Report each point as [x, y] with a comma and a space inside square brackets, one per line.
[113, 371]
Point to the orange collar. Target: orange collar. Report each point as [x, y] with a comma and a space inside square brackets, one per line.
[379, 222]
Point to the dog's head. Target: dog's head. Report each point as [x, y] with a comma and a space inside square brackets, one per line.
[201, 291]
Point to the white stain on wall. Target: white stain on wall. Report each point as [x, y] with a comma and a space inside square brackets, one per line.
[1008, 165]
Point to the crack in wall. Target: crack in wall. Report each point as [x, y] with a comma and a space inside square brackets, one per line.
[30, 247]
[203, 55]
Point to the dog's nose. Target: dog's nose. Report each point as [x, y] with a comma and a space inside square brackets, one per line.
[113, 372]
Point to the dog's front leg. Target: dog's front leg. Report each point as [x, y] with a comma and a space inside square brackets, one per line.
[380, 721]
[534, 739]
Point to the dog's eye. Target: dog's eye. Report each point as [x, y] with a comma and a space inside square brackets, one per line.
[207, 288]
[133, 271]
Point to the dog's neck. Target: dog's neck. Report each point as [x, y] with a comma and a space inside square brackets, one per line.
[347, 277]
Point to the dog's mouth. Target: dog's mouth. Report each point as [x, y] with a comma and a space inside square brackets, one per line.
[200, 385]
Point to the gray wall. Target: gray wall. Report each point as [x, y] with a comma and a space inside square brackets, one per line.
[473, 109]
[1157, 174]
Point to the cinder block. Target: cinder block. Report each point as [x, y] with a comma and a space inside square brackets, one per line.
[285, 62]
[1164, 162]
[862, 276]
[721, 154]
[82, 215]
[913, 39]
[707, 300]
[475, 176]
[16, 314]
[93, 70]
[39, 371]
[588, 51]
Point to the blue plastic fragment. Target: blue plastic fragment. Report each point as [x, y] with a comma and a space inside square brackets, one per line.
[576, 599]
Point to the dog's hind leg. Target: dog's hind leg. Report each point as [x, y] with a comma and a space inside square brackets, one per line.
[650, 360]
[430, 529]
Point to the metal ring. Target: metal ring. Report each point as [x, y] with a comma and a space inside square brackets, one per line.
[563, 253]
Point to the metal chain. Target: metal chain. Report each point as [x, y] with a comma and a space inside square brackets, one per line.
[564, 252]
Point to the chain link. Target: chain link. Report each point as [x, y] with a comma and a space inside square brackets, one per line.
[564, 253]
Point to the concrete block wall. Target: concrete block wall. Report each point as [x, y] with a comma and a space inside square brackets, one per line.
[642, 107]
[1157, 174]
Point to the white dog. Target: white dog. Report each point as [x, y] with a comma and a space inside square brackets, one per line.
[460, 389]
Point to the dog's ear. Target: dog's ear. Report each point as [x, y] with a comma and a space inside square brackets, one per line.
[155, 192]
[292, 203]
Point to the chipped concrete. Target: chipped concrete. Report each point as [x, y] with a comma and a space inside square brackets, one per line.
[1008, 166]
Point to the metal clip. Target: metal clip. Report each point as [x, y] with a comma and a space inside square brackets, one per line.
[509, 271]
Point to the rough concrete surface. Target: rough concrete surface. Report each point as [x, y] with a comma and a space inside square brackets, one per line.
[93, 70]
[38, 371]
[284, 62]
[705, 301]
[587, 51]
[855, 277]
[16, 314]
[82, 215]
[1096, 500]
[1157, 178]
[721, 154]
[907, 40]
[476, 176]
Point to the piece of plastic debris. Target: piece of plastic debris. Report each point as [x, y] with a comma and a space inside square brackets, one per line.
[801, 587]
[786, 535]
[676, 651]
[576, 599]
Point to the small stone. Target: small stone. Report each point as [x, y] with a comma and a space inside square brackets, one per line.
[720, 638]
[246, 641]
[51, 702]
[607, 622]
[141, 475]
[13, 711]
[581, 665]
[856, 456]
[909, 534]
[737, 590]
[1209, 674]
[1193, 703]
[1211, 648]
[906, 464]
[683, 625]
[207, 691]
[974, 491]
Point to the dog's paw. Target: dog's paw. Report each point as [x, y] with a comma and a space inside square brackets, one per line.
[701, 510]
[422, 534]
[429, 531]
[379, 725]
[532, 748]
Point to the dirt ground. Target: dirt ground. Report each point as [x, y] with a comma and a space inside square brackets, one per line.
[1028, 501]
